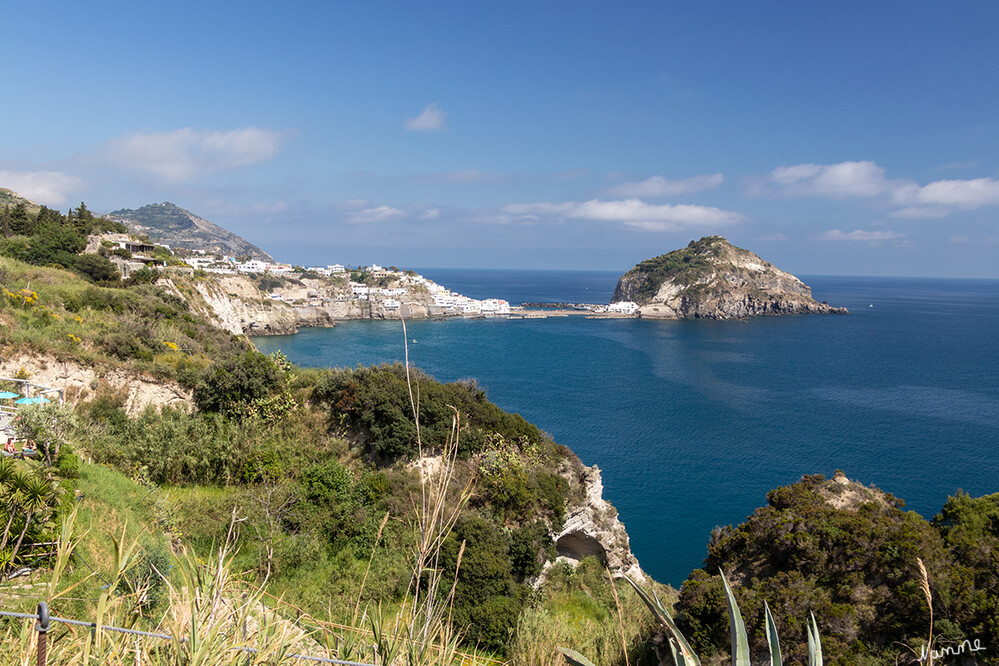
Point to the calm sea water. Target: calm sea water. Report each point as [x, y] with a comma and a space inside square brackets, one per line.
[692, 422]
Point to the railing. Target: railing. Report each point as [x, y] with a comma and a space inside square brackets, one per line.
[44, 621]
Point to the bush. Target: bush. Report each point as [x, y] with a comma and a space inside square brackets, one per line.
[96, 268]
[68, 463]
[854, 567]
[230, 387]
[331, 501]
[487, 599]
[375, 401]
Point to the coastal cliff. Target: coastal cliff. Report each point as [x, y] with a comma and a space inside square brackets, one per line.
[592, 528]
[713, 279]
[238, 304]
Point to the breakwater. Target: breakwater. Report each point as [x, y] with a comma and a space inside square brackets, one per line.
[562, 306]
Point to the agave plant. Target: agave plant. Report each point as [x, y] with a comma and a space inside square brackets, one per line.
[683, 655]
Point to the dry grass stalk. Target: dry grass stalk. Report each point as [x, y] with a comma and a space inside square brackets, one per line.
[620, 618]
[924, 584]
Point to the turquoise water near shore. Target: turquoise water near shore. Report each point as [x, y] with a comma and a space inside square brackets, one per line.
[692, 422]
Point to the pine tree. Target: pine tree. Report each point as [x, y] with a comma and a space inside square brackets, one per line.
[6, 221]
[20, 223]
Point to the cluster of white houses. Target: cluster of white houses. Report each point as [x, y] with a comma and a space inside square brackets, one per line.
[390, 298]
[387, 297]
[443, 298]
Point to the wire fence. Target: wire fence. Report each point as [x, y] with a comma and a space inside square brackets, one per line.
[44, 622]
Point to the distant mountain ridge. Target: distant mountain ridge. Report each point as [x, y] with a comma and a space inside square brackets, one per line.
[172, 225]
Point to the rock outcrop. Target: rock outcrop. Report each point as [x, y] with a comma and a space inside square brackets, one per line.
[80, 382]
[592, 528]
[712, 279]
[241, 313]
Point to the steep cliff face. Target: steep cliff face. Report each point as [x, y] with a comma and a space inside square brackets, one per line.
[235, 304]
[712, 279]
[592, 528]
[238, 308]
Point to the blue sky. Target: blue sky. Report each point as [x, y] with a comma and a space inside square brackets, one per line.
[835, 138]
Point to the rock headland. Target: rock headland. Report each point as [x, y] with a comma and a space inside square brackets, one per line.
[713, 279]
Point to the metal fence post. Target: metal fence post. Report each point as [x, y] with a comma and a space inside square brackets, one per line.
[43, 629]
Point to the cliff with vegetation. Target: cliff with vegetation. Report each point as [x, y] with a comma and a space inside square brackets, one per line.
[712, 279]
[265, 304]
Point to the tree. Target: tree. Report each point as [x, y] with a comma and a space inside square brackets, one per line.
[11, 497]
[6, 221]
[20, 222]
[82, 219]
[55, 243]
[49, 426]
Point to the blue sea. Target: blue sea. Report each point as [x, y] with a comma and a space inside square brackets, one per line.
[692, 422]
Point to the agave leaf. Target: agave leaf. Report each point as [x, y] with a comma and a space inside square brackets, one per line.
[678, 658]
[814, 644]
[740, 641]
[574, 657]
[773, 641]
[666, 620]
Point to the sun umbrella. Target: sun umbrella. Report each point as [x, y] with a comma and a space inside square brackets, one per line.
[7, 395]
[30, 401]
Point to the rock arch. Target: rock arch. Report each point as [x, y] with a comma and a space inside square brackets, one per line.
[577, 545]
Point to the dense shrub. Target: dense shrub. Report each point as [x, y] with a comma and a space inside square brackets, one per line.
[854, 567]
[487, 600]
[68, 463]
[96, 268]
[333, 501]
[970, 529]
[230, 387]
[375, 402]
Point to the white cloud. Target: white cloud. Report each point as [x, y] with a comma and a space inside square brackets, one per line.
[431, 119]
[657, 186]
[859, 235]
[845, 179]
[50, 188]
[632, 212]
[430, 214]
[349, 204]
[180, 155]
[866, 180]
[374, 214]
[960, 193]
